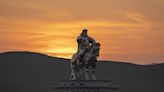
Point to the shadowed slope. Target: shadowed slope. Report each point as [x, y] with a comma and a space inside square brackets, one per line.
[16, 75]
[24, 56]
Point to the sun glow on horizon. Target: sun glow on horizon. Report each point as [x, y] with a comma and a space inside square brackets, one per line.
[127, 30]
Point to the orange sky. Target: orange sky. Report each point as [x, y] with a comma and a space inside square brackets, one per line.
[129, 30]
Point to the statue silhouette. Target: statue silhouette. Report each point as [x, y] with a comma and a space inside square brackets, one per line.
[85, 58]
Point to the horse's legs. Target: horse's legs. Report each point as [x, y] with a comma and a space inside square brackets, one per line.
[90, 70]
[79, 74]
[73, 74]
[87, 72]
[90, 73]
[93, 68]
[72, 65]
[93, 76]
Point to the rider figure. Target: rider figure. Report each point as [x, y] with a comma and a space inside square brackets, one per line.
[85, 44]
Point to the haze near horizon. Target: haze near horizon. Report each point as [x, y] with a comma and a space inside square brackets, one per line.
[128, 30]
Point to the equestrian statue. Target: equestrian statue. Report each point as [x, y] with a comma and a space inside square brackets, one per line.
[83, 63]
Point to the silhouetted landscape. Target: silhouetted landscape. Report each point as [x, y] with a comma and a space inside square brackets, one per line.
[35, 72]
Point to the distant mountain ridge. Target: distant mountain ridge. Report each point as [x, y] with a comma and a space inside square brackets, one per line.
[18, 56]
[21, 56]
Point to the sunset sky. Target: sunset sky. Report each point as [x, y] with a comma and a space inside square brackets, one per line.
[128, 30]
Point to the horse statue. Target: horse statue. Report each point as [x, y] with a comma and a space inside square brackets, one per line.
[85, 63]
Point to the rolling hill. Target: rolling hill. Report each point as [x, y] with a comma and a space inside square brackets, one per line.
[35, 72]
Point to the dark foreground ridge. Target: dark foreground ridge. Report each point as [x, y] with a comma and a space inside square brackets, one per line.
[25, 56]
[35, 72]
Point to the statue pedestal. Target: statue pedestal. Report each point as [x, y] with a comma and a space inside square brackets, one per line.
[84, 86]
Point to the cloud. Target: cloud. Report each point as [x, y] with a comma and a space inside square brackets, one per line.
[52, 26]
